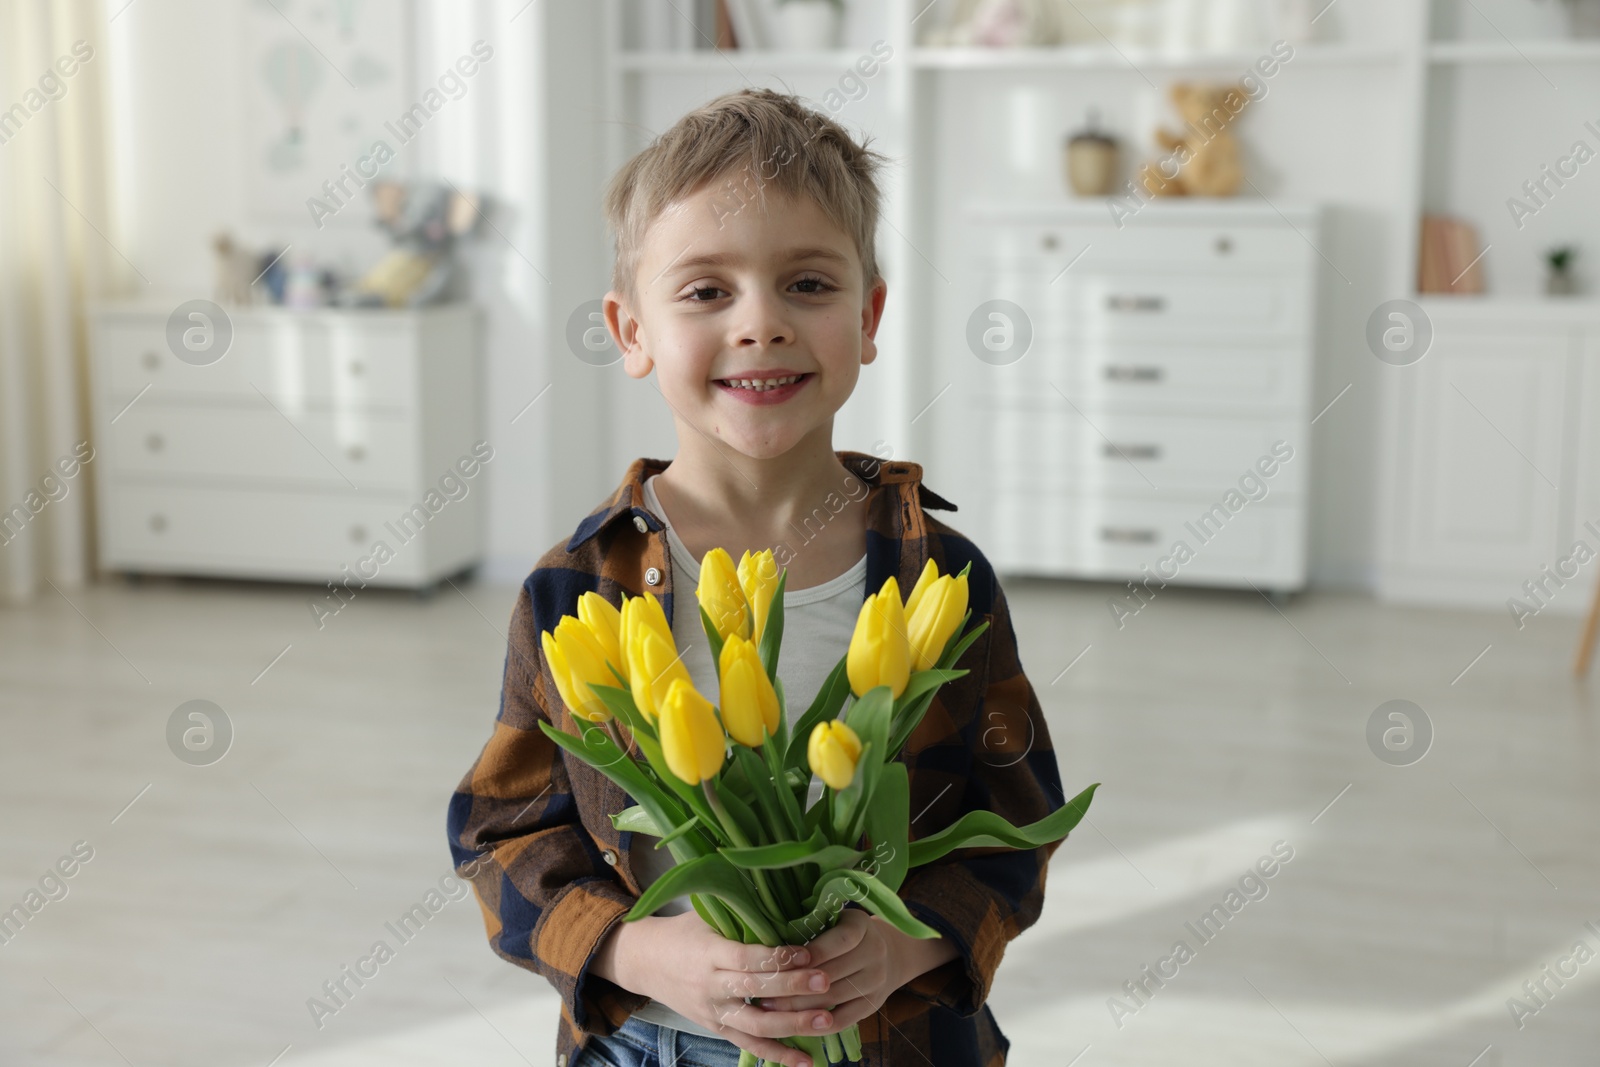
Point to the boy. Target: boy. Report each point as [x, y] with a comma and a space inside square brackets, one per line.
[746, 278]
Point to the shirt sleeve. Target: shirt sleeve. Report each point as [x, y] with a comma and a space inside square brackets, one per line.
[981, 898]
[548, 899]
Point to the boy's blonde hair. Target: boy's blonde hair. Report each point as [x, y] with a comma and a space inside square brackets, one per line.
[746, 141]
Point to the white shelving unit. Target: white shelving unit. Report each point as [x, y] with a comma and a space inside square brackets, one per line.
[1378, 118]
[329, 445]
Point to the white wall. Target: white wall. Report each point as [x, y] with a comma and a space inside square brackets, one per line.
[179, 118]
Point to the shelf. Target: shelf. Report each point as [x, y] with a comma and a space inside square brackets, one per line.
[1101, 57]
[1489, 307]
[1070, 57]
[711, 59]
[1555, 49]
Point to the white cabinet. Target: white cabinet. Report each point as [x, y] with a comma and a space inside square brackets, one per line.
[1157, 422]
[329, 445]
[1496, 472]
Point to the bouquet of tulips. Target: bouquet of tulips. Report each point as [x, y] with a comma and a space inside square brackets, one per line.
[724, 786]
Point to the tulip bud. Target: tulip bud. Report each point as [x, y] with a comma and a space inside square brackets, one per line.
[833, 751]
[691, 741]
[601, 617]
[721, 595]
[577, 661]
[653, 665]
[880, 651]
[758, 577]
[749, 701]
[934, 617]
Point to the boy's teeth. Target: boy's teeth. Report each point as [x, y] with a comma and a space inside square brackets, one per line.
[761, 384]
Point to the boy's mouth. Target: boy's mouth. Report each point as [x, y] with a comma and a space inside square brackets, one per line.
[765, 390]
[761, 384]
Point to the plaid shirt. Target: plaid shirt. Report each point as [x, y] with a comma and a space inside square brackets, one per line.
[529, 825]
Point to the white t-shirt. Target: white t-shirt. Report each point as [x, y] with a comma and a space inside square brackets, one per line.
[817, 625]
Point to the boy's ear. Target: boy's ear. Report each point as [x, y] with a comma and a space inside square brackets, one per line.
[626, 335]
[871, 316]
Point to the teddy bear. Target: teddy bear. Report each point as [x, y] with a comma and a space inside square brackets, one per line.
[1204, 159]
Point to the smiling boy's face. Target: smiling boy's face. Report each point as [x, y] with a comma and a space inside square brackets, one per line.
[774, 291]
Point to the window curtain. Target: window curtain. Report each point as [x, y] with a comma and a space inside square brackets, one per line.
[56, 256]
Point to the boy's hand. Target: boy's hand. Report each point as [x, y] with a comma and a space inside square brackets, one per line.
[865, 959]
[683, 963]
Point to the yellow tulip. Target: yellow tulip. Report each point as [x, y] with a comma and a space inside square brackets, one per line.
[577, 661]
[602, 617]
[720, 593]
[758, 577]
[833, 751]
[652, 656]
[930, 573]
[691, 741]
[932, 614]
[749, 701]
[880, 649]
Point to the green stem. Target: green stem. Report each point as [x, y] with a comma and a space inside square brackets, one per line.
[833, 1047]
[734, 832]
[851, 1036]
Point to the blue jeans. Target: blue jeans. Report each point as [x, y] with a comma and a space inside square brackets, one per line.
[637, 1043]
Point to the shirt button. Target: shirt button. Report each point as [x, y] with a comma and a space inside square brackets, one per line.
[652, 576]
[640, 525]
[609, 856]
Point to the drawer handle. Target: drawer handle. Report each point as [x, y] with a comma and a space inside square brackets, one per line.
[1127, 373]
[158, 522]
[1128, 534]
[356, 453]
[152, 360]
[1113, 451]
[1135, 302]
[1049, 240]
[357, 368]
[154, 442]
[1224, 245]
[358, 534]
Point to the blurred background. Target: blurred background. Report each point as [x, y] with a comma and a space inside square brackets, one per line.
[1256, 340]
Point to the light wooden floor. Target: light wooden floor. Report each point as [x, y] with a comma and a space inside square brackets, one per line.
[224, 896]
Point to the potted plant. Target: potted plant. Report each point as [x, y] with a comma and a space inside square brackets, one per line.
[810, 24]
[1559, 281]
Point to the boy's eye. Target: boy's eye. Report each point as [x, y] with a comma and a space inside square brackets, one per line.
[821, 286]
[705, 294]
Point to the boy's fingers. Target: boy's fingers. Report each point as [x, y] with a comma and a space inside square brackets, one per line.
[834, 942]
[767, 1049]
[737, 984]
[760, 958]
[765, 1023]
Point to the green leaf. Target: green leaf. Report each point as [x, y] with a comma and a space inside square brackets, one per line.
[714, 637]
[772, 633]
[636, 820]
[889, 824]
[985, 829]
[683, 828]
[598, 750]
[782, 736]
[851, 884]
[785, 854]
[829, 699]
[781, 854]
[954, 652]
[706, 874]
[871, 718]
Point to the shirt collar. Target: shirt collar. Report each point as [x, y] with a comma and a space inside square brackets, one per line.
[627, 503]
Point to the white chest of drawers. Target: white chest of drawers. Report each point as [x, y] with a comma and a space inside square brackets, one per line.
[1157, 426]
[327, 446]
